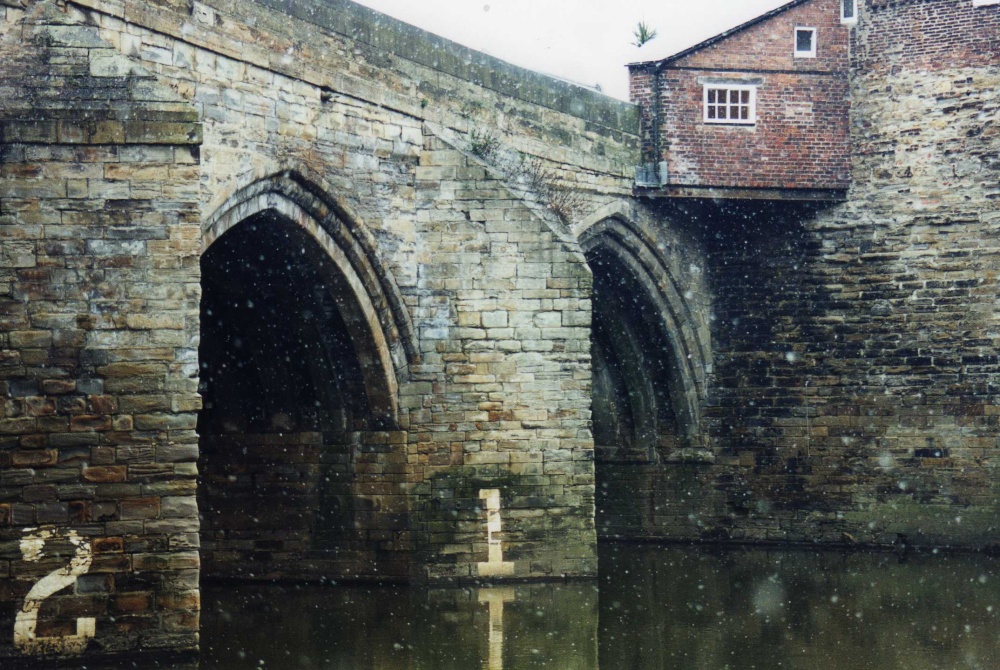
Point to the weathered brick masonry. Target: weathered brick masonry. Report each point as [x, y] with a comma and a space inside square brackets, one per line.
[800, 139]
[854, 397]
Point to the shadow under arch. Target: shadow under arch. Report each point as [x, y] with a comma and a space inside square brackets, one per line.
[305, 342]
[379, 324]
[660, 337]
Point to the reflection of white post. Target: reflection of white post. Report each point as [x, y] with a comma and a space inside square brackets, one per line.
[25, 638]
[495, 566]
[495, 598]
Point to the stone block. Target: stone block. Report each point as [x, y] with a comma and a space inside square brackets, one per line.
[140, 508]
[103, 475]
[58, 386]
[184, 560]
[108, 545]
[52, 512]
[131, 603]
[24, 339]
[179, 506]
[108, 132]
[496, 319]
[154, 133]
[90, 423]
[34, 459]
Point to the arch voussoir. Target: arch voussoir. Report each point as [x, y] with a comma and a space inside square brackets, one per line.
[379, 324]
[668, 285]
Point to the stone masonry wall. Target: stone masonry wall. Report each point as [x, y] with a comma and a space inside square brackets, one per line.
[499, 303]
[856, 367]
[125, 127]
[509, 375]
[851, 398]
[314, 502]
[99, 294]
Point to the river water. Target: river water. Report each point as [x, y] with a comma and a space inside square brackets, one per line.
[652, 608]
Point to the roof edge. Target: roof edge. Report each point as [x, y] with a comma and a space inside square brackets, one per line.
[721, 36]
[390, 35]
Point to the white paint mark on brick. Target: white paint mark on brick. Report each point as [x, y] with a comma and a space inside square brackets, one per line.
[25, 639]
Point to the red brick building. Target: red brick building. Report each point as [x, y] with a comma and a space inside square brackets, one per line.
[759, 111]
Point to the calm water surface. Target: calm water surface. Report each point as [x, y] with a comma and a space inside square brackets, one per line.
[653, 608]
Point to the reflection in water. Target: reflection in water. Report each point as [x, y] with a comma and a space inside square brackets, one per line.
[495, 598]
[524, 626]
[652, 608]
[739, 610]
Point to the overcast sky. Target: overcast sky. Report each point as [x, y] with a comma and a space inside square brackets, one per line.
[586, 41]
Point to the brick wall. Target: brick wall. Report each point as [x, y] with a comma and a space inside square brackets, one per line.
[854, 390]
[921, 35]
[800, 138]
[641, 94]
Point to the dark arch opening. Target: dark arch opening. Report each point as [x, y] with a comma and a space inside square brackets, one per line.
[639, 414]
[290, 389]
[276, 352]
[635, 375]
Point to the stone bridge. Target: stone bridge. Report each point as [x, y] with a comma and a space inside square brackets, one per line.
[291, 289]
[326, 280]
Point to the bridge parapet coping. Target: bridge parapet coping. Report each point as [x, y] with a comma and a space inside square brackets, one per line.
[415, 44]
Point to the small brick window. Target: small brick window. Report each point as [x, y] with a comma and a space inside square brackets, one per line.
[730, 103]
[805, 42]
[848, 11]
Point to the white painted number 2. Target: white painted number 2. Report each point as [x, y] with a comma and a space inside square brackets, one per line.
[25, 639]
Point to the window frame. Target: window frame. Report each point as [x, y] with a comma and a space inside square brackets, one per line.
[751, 119]
[853, 4]
[815, 36]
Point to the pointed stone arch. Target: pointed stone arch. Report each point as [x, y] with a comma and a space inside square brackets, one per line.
[379, 324]
[664, 274]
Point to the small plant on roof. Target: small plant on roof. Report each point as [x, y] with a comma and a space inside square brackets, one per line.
[643, 33]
